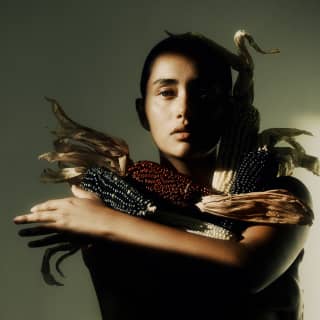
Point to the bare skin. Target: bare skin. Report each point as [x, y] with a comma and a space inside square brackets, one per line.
[182, 135]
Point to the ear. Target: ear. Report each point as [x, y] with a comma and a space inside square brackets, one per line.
[142, 113]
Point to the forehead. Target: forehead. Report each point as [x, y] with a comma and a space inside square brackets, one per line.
[173, 66]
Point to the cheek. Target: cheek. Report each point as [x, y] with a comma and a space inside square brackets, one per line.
[156, 132]
[215, 117]
[158, 116]
[159, 134]
[156, 123]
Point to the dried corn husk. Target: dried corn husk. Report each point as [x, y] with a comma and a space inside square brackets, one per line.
[273, 207]
[78, 147]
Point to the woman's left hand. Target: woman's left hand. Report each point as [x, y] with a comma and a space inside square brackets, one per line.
[83, 214]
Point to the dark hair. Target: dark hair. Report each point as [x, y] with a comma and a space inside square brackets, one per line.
[200, 50]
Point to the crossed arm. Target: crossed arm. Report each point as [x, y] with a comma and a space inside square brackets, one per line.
[262, 255]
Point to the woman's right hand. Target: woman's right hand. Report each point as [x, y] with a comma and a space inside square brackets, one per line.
[54, 233]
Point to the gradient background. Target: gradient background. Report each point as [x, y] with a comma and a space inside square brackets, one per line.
[88, 55]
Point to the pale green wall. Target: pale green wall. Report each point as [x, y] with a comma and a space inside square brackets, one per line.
[88, 55]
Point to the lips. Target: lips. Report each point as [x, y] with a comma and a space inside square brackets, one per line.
[181, 133]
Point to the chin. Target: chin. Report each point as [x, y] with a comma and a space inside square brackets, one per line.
[183, 150]
[189, 153]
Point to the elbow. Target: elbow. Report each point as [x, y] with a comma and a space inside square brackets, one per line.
[253, 277]
[248, 282]
[235, 274]
[245, 281]
[246, 276]
[240, 276]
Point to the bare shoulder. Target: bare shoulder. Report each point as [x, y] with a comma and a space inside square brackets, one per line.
[273, 248]
[295, 186]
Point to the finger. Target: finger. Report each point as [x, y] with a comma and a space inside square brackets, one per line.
[44, 216]
[80, 193]
[35, 231]
[48, 205]
[55, 239]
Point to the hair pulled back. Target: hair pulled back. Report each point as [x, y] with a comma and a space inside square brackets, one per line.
[199, 49]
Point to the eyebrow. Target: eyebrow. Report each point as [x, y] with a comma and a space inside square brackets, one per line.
[163, 81]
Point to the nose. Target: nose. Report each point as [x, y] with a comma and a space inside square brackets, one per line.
[183, 110]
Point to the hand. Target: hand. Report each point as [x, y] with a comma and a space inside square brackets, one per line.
[83, 194]
[83, 215]
[52, 228]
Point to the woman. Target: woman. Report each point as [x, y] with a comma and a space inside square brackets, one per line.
[144, 269]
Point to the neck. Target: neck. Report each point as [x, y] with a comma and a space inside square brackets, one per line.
[200, 170]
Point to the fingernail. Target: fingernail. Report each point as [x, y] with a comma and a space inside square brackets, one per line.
[33, 208]
[17, 219]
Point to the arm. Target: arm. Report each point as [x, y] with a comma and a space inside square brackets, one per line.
[263, 254]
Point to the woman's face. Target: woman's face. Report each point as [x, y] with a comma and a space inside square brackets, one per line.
[183, 116]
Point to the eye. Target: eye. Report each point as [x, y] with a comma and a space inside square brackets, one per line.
[198, 91]
[167, 93]
[203, 94]
[199, 94]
